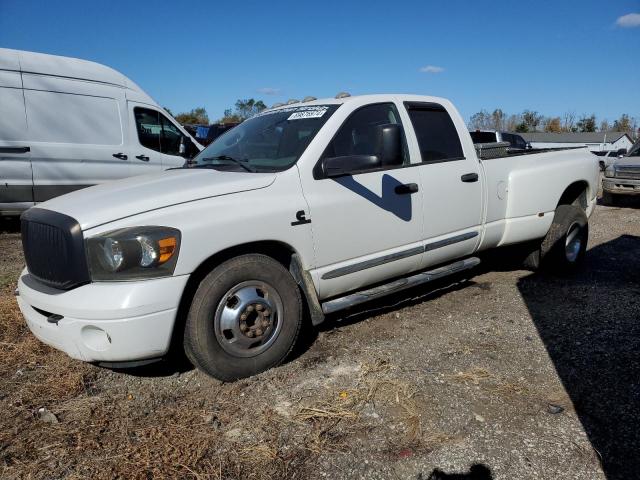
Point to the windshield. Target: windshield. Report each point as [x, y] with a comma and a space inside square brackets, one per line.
[268, 142]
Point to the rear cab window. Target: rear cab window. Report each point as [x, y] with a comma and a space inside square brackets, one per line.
[437, 136]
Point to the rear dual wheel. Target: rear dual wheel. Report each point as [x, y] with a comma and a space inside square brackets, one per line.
[245, 318]
[564, 247]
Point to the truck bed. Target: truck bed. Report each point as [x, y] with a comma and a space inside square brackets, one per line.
[488, 151]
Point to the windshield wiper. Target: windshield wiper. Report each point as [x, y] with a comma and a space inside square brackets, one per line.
[242, 163]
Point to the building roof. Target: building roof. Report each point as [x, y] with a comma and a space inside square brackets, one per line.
[574, 137]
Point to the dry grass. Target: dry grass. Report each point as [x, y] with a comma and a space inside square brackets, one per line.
[473, 375]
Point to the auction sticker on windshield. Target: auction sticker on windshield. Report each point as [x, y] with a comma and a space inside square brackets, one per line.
[298, 112]
[310, 112]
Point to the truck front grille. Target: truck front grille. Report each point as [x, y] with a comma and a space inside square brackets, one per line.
[53, 247]
[630, 172]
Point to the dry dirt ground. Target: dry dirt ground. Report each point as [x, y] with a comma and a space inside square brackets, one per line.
[504, 375]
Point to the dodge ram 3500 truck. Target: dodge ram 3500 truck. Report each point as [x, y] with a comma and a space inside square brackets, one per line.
[298, 212]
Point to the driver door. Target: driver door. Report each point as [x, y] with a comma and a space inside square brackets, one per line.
[367, 227]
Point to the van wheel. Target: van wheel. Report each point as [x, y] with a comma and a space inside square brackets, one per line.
[245, 318]
[565, 245]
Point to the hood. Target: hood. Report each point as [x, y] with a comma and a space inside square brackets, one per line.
[112, 201]
[627, 161]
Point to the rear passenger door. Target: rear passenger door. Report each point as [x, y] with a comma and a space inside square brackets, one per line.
[451, 185]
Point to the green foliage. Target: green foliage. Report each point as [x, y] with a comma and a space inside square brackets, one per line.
[623, 124]
[587, 124]
[194, 117]
[522, 127]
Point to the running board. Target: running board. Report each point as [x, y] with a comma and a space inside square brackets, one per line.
[398, 285]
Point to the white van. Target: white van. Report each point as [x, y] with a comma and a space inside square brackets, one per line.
[67, 123]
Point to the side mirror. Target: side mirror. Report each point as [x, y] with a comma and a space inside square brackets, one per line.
[389, 144]
[387, 151]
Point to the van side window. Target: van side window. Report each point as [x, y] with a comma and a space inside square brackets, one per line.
[437, 135]
[357, 134]
[171, 137]
[148, 126]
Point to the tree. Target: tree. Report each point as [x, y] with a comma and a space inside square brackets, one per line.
[522, 127]
[497, 120]
[552, 125]
[623, 124]
[568, 122]
[249, 107]
[531, 119]
[604, 126]
[195, 116]
[168, 111]
[587, 124]
[243, 109]
[480, 121]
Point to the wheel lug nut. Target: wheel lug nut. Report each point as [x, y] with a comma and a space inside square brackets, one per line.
[259, 307]
[243, 317]
[265, 323]
[243, 327]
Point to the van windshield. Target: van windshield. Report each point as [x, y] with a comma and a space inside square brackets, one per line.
[271, 141]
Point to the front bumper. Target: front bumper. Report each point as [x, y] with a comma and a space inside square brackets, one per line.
[103, 322]
[621, 185]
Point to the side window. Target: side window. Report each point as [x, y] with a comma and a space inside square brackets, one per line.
[437, 135]
[148, 126]
[357, 135]
[171, 137]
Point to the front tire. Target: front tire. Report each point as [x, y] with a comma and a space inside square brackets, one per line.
[245, 318]
[563, 248]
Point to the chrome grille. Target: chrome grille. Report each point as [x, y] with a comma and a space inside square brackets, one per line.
[628, 171]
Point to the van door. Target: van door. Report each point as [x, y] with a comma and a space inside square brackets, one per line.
[144, 130]
[157, 141]
[16, 191]
[75, 133]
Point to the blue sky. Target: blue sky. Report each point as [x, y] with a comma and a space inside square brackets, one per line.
[549, 56]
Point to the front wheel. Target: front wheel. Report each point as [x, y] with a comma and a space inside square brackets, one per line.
[565, 245]
[245, 318]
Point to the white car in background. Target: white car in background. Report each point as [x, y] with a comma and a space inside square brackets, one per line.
[66, 124]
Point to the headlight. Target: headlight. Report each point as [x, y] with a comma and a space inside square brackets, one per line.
[133, 253]
[610, 171]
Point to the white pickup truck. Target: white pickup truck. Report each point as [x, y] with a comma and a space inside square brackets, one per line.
[301, 211]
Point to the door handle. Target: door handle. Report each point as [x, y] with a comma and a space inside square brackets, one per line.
[120, 155]
[406, 188]
[15, 149]
[144, 158]
[469, 177]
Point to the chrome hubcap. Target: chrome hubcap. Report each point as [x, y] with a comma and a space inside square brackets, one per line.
[247, 319]
[573, 242]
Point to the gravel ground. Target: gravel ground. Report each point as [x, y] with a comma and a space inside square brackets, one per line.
[503, 375]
